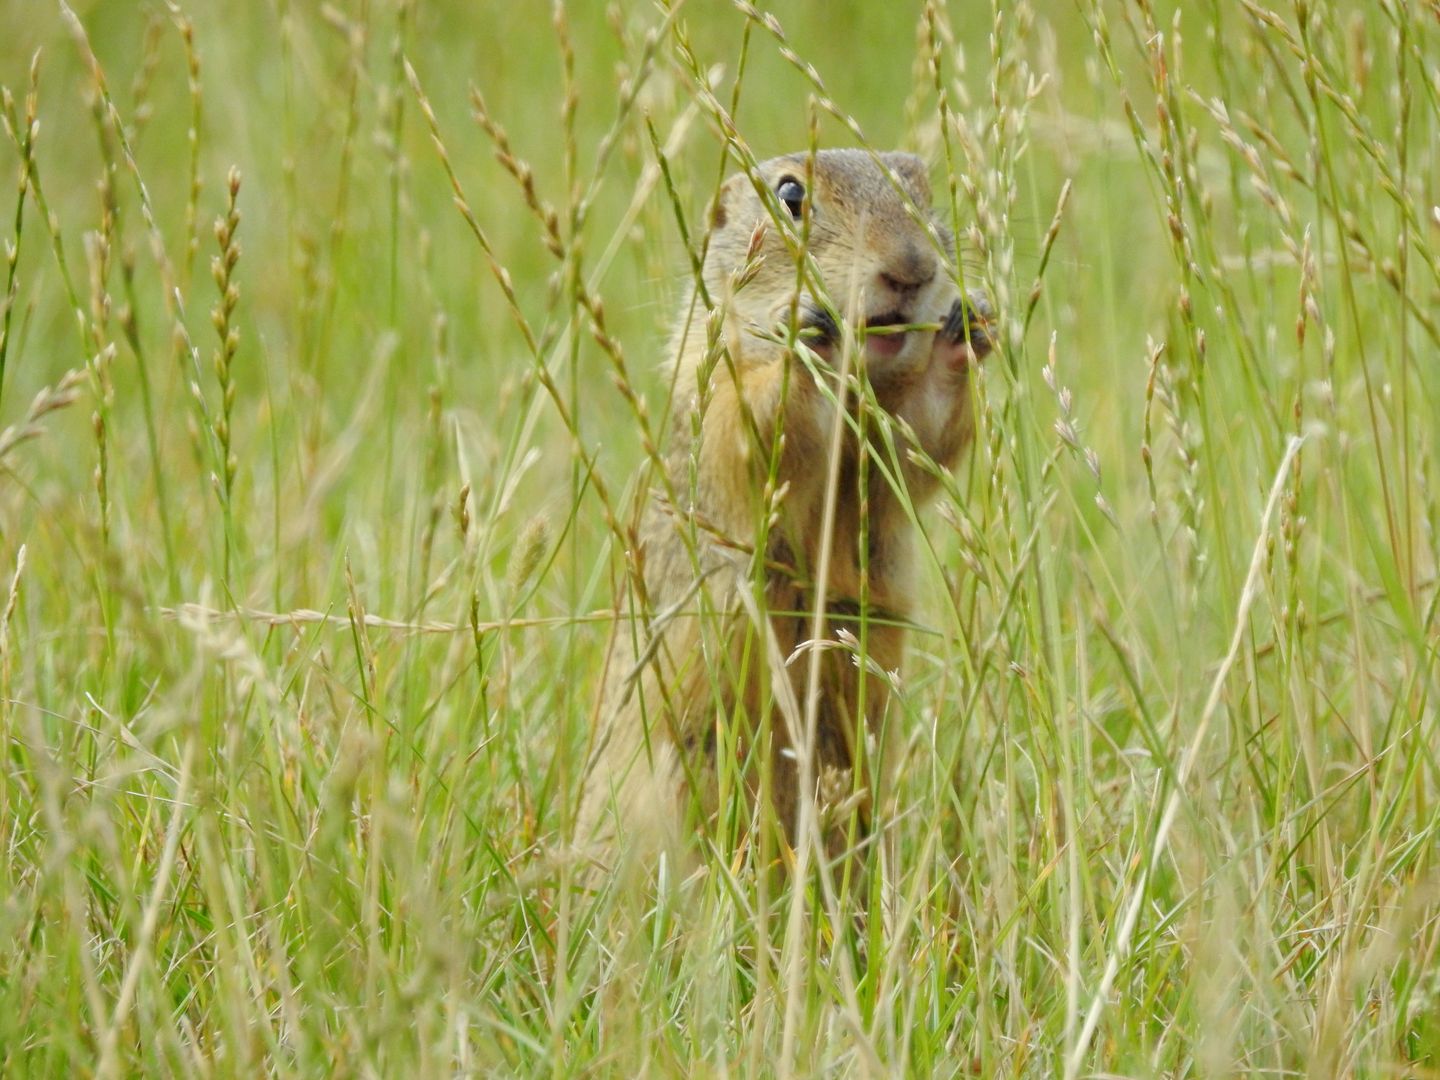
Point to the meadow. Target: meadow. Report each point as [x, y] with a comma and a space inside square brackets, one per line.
[332, 345]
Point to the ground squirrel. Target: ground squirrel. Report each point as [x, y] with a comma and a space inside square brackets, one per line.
[806, 254]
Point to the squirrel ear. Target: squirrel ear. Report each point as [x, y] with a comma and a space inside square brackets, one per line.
[720, 208]
[913, 171]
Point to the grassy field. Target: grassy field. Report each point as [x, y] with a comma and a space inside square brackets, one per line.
[339, 317]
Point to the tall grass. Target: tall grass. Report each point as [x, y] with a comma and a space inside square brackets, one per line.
[302, 612]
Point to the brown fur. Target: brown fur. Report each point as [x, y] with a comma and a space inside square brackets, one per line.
[694, 676]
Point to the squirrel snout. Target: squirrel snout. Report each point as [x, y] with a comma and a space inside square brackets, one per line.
[911, 269]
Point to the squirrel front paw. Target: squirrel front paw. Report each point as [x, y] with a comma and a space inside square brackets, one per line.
[966, 332]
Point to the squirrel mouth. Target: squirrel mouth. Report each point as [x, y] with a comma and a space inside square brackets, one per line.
[882, 338]
[884, 333]
[886, 319]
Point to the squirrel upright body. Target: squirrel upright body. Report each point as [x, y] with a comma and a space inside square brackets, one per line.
[711, 682]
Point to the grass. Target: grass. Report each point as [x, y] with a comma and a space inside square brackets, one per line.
[310, 539]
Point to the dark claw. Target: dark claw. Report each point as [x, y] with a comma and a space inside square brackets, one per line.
[818, 326]
[969, 321]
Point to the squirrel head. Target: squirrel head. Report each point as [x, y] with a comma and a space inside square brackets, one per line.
[874, 256]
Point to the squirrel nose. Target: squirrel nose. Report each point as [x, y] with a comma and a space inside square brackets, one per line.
[910, 270]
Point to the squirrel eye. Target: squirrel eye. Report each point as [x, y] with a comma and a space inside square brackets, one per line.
[792, 193]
